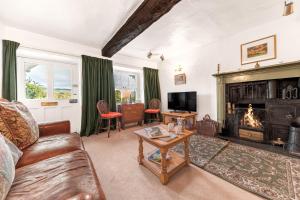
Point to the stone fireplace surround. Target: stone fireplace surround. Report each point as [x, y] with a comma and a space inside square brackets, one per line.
[280, 71]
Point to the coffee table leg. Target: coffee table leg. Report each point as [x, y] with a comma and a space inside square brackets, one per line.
[163, 173]
[186, 151]
[141, 153]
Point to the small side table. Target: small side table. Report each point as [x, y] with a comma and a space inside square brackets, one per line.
[167, 167]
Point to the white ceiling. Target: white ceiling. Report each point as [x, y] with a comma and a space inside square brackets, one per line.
[93, 22]
[88, 22]
[193, 23]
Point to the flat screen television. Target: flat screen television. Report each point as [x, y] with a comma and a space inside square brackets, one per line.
[182, 101]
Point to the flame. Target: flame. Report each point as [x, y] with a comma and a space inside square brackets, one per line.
[250, 119]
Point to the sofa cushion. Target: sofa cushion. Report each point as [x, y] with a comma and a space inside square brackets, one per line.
[60, 177]
[15, 152]
[7, 168]
[50, 146]
[17, 124]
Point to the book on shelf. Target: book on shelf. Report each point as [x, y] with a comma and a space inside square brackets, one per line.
[156, 132]
[155, 156]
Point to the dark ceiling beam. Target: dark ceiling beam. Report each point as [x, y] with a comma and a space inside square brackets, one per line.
[145, 15]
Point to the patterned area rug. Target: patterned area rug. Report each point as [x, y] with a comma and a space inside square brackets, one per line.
[202, 149]
[264, 173]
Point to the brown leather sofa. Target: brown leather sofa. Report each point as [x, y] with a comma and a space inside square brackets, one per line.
[56, 167]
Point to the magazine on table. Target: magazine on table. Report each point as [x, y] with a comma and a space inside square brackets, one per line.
[156, 132]
[156, 157]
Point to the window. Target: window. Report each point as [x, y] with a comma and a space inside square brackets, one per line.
[127, 86]
[62, 83]
[46, 80]
[35, 81]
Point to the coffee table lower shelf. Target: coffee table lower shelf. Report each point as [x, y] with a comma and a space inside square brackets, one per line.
[176, 163]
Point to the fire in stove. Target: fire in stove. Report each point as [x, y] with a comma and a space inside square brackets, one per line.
[250, 119]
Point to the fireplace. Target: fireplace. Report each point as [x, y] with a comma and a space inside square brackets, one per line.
[250, 123]
[257, 111]
[274, 94]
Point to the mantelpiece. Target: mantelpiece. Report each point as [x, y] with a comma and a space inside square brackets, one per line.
[278, 71]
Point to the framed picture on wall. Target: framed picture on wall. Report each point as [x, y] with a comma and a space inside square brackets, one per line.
[259, 50]
[180, 79]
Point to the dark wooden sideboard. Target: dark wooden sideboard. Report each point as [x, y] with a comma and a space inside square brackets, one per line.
[131, 113]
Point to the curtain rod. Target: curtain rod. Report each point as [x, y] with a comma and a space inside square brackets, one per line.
[60, 53]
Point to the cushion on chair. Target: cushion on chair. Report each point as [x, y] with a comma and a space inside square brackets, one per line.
[111, 115]
[152, 111]
[50, 146]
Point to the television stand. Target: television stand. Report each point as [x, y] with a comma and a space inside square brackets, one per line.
[168, 116]
[179, 111]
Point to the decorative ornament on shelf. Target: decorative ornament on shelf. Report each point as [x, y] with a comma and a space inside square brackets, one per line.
[288, 7]
[257, 65]
[218, 69]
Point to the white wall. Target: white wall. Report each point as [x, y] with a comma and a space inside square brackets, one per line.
[55, 47]
[127, 61]
[42, 42]
[38, 41]
[201, 62]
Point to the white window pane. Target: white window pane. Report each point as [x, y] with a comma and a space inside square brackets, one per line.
[35, 81]
[62, 83]
[126, 84]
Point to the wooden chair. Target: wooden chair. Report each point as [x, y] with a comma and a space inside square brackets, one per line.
[154, 108]
[105, 114]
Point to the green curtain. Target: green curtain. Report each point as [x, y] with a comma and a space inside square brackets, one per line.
[9, 67]
[97, 84]
[151, 85]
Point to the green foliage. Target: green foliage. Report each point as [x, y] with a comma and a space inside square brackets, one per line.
[132, 97]
[118, 96]
[62, 94]
[35, 90]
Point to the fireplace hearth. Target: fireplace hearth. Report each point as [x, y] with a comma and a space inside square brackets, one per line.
[251, 134]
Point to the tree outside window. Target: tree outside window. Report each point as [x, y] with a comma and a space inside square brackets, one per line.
[125, 87]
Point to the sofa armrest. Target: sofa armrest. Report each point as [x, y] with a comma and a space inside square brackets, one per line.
[54, 128]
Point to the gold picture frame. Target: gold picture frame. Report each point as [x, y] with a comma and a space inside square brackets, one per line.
[259, 50]
[180, 79]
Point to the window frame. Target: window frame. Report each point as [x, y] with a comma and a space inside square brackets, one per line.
[140, 81]
[50, 65]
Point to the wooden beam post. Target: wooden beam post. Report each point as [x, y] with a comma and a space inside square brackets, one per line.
[145, 15]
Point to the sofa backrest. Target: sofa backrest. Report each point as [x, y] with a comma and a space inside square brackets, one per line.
[3, 100]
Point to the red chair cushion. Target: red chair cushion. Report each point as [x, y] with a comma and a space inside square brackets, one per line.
[152, 111]
[111, 115]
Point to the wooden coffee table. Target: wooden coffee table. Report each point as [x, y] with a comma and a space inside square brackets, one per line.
[167, 168]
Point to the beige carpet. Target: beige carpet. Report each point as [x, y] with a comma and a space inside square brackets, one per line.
[115, 160]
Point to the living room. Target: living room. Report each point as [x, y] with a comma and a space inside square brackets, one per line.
[145, 99]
